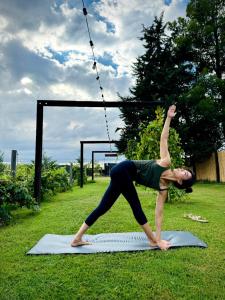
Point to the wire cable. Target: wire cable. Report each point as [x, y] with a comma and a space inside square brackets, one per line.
[95, 67]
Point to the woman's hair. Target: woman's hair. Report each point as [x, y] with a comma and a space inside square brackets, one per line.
[186, 184]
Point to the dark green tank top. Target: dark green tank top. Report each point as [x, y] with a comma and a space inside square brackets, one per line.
[148, 173]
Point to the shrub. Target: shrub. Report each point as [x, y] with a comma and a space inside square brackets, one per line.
[54, 181]
[19, 191]
[76, 174]
[13, 195]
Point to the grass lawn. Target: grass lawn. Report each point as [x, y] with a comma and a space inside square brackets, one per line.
[186, 273]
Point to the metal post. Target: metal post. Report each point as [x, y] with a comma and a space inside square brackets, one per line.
[110, 154]
[13, 163]
[217, 167]
[92, 165]
[38, 152]
[81, 164]
[82, 156]
[71, 173]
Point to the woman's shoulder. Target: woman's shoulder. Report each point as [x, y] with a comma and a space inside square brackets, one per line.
[166, 163]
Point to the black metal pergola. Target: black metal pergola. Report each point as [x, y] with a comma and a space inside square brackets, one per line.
[82, 156]
[64, 103]
[110, 153]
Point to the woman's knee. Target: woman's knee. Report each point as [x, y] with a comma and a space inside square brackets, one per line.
[100, 210]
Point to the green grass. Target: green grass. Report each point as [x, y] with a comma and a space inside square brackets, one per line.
[186, 273]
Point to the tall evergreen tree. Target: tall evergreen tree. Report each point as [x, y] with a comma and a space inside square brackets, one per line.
[160, 74]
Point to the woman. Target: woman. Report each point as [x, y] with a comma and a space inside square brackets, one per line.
[153, 173]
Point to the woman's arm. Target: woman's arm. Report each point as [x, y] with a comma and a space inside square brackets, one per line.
[164, 152]
[155, 240]
[162, 244]
[148, 231]
[161, 198]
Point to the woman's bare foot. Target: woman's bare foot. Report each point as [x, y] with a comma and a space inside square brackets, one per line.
[77, 240]
[76, 243]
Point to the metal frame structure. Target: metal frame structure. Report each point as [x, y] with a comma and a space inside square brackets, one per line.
[93, 159]
[82, 156]
[64, 103]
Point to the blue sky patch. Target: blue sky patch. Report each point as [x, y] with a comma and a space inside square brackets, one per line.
[107, 60]
[185, 2]
[110, 26]
[61, 57]
[167, 2]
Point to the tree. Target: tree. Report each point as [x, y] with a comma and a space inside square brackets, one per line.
[206, 28]
[185, 66]
[149, 145]
[201, 37]
[160, 73]
[200, 119]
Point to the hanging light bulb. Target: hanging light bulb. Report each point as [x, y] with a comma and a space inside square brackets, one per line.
[85, 11]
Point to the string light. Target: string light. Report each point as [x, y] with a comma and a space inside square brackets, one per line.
[94, 67]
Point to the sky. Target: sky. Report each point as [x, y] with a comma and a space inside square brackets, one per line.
[45, 54]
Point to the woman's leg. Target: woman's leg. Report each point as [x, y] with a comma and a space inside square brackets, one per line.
[130, 193]
[121, 182]
[109, 198]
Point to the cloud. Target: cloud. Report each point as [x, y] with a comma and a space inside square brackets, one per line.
[26, 81]
[45, 54]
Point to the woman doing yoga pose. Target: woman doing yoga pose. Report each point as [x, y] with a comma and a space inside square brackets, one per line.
[156, 174]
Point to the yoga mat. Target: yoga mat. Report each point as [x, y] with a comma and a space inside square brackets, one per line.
[112, 242]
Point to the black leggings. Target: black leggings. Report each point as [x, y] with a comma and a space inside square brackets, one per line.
[122, 176]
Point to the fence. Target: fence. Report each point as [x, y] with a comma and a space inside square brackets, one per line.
[207, 169]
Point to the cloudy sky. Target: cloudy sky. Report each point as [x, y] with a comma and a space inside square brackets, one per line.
[45, 54]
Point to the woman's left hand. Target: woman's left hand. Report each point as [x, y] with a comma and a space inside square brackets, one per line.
[162, 244]
[171, 111]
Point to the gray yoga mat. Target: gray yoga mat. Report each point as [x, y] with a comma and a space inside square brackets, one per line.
[112, 242]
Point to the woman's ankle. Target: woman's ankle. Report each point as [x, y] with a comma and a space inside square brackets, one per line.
[78, 237]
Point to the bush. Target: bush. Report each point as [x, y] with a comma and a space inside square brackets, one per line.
[53, 181]
[76, 174]
[13, 195]
[19, 191]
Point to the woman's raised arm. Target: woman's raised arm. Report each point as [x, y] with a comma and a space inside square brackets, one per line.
[164, 152]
